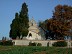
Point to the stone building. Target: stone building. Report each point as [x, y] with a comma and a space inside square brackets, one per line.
[34, 31]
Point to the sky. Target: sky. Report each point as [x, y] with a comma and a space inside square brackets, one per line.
[38, 9]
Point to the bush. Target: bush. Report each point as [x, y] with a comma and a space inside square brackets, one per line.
[6, 43]
[39, 44]
[32, 44]
[1, 43]
[60, 44]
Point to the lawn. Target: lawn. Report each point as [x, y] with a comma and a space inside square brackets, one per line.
[33, 50]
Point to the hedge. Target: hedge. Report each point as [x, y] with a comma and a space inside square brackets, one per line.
[60, 44]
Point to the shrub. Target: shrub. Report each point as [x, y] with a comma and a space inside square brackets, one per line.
[6, 43]
[9, 42]
[1, 43]
[60, 44]
[39, 44]
[32, 44]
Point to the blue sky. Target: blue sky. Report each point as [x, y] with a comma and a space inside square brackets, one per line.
[39, 9]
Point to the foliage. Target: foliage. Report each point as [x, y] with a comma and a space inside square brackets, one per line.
[60, 44]
[32, 44]
[59, 24]
[6, 43]
[20, 24]
[43, 27]
[43, 24]
[39, 44]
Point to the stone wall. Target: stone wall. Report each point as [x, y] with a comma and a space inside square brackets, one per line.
[43, 42]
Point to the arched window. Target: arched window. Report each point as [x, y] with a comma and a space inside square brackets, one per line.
[30, 35]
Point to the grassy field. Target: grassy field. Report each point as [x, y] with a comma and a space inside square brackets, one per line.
[33, 50]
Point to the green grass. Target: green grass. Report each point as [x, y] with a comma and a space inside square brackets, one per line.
[33, 50]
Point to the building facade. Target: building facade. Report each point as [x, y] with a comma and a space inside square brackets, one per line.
[34, 31]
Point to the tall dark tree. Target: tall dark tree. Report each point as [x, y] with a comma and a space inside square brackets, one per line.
[19, 26]
[24, 20]
[14, 32]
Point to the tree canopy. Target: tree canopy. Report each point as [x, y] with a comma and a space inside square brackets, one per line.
[59, 24]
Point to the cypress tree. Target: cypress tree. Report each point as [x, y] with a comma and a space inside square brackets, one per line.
[24, 20]
[20, 24]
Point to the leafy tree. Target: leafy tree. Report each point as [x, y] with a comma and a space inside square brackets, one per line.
[59, 24]
[43, 26]
[20, 25]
